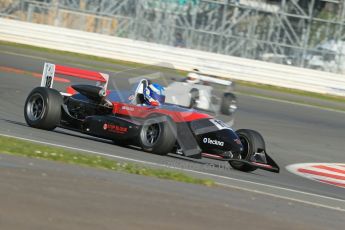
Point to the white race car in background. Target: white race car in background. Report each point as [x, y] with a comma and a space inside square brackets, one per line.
[203, 92]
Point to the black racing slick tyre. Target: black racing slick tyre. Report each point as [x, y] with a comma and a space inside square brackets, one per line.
[252, 142]
[42, 108]
[229, 104]
[157, 135]
[194, 97]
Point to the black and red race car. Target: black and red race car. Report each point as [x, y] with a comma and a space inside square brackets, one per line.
[119, 115]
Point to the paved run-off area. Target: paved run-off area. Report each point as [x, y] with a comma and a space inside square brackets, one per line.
[38, 194]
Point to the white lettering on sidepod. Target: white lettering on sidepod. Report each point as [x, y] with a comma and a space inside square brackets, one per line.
[213, 142]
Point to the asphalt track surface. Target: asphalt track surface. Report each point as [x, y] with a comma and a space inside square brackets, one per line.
[38, 194]
[293, 134]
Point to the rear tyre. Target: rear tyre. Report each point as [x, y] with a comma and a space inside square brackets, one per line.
[252, 142]
[42, 108]
[157, 135]
[229, 104]
[194, 97]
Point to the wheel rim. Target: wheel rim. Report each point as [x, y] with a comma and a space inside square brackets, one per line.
[150, 134]
[233, 106]
[35, 107]
[245, 144]
[244, 153]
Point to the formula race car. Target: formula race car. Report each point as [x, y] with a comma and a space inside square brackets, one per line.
[122, 116]
[203, 92]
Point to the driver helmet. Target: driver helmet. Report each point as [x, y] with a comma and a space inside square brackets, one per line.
[193, 77]
[154, 94]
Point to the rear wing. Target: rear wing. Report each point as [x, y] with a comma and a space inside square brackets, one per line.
[209, 78]
[50, 70]
[215, 80]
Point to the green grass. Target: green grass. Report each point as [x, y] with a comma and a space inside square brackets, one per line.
[72, 54]
[179, 72]
[18, 147]
[90, 58]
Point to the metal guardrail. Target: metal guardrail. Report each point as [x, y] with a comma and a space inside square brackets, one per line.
[302, 33]
[181, 58]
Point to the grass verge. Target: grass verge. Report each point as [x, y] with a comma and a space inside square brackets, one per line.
[17, 147]
[179, 72]
[67, 53]
[128, 64]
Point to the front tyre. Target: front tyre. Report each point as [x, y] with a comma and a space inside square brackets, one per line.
[229, 104]
[252, 142]
[157, 135]
[42, 108]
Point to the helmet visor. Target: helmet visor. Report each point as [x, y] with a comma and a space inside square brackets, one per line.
[157, 97]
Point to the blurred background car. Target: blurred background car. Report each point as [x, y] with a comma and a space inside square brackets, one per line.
[203, 92]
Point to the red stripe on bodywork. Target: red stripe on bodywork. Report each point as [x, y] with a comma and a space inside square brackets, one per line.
[145, 111]
[333, 183]
[263, 165]
[321, 174]
[80, 73]
[70, 90]
[211, 155]
[329, 169]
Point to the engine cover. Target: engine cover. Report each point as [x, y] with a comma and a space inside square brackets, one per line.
[92, 92]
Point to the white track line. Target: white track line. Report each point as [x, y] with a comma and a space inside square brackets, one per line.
[293, 103]
[207, 174]
[284, 197]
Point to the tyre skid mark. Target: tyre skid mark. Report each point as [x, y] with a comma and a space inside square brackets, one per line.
[33, 74]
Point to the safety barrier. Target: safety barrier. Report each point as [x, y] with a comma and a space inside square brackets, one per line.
[184, 59]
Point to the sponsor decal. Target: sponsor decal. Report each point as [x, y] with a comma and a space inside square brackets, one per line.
[131, 97]
[129, 108]
[208, 140]
[49, 81]
[328, 173]
[48, 73]
[220, 124]
[115, 128]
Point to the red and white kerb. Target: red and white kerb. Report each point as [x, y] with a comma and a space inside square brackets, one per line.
[329, 173]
